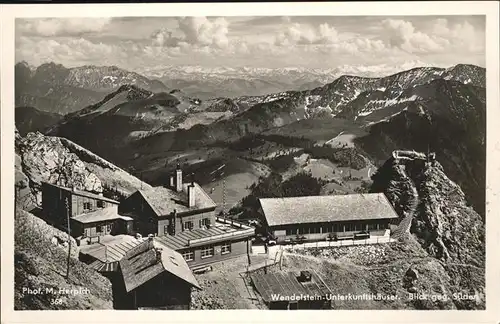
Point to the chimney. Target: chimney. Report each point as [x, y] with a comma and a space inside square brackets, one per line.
[191, 195]
[172, 182]
[173, 222]
[178, 181]
[158, 254]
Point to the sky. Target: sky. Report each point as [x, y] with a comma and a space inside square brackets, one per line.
[319, 42]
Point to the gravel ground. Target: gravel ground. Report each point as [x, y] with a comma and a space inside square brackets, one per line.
[224, 288]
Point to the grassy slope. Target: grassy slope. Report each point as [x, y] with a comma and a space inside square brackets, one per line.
[40, 264]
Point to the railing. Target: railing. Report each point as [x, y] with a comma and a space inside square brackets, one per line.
[249, 231]
[231, 222]
[322, 244]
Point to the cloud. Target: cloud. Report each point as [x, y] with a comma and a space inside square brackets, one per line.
[205, 32]
[439, 38]
[302, 34]
[60, 26]
[255, 41]
[78, 50]
[195, 31]
[459, 35]
[163, 37]
[402, 34]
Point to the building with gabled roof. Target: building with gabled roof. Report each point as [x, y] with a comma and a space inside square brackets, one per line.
[182, 217]
[320, 217]
[91, 215]
[154, 276]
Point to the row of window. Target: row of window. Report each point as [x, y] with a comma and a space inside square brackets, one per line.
[207, 252]
[103, 228]
[88, 205]
[334, 228]
[189, 225]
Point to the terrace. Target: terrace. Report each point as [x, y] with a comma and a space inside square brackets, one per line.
[223, 230]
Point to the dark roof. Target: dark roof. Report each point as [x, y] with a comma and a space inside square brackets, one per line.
[287, 285]
[197, 237]
[100, 266]
[142, 264]
[99, 215]
[84, 193]
[113, 251]
[320, 209]
[163, 200]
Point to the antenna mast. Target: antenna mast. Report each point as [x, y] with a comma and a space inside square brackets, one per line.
[69, 237]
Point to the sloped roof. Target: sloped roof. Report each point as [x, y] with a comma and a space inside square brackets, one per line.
[287, 285]
[163, 200]
[99, 215]
[84, 193]
[142, 264]
[112, 251]
[196, 237]
[319, 209]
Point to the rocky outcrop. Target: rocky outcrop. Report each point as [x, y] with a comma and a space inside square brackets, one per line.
[448, 227]
[46, 159]
[442, 220]
[41, 158]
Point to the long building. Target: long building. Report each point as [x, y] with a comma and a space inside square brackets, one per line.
[313, 218]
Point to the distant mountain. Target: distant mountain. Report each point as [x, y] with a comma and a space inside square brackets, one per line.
[54, 88]
[232, 82]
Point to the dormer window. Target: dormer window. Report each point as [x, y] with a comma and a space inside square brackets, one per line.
[188, 225]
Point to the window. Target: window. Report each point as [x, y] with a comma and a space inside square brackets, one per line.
[207, 252]
[289, 232]
[98, 228]
[108, 227]
[314, 230]
[188, 225]
[165, 229]
[100, 204]
[86, 205]
[205, 222]
[225, 248]
[188, 255]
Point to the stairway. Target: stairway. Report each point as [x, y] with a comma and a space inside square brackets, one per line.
[405, 225]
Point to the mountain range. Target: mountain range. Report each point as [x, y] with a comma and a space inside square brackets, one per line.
[54, 88]
[204, 83]
[142, 122]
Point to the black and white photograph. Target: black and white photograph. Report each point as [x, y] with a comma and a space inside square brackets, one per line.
[250, 162]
